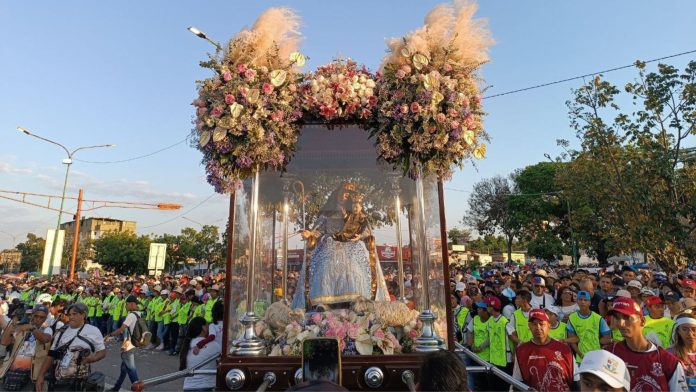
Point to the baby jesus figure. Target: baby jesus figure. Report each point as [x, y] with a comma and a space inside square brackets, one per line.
[356, 226]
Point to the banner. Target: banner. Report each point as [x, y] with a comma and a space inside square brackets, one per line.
[47, 252]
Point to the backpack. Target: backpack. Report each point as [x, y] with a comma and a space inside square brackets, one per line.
[141, 335]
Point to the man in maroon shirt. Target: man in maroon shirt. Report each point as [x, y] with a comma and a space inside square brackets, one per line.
[543, 363]
[652, 368]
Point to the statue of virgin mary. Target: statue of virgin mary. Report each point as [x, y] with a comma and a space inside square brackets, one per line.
[343, 265]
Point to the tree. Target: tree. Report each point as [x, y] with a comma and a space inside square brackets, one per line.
[84, 252]
[122, 252]
[32, 253]
[489, 210]
[637, 163]
[546, 245]
[459, 236]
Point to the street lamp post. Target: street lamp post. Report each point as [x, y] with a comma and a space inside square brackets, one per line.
[67, 161]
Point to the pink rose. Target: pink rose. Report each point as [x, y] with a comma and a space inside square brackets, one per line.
[199, 103]
[241, 68]
[404, 109]
[249, 73]
[447, 67]
[469, 122]
[216, 112]
[379, 334]
[454, 124]
[415, 107]
[413, 333]
[477, 99]
[267, 88]
[277, 116]
[372, 101]
[440, 117]
[201, 111]
[226, 76]
[229, 99]
[292, 87]
[316, 318]
[406, 69]
[400, 74]
[365, 113]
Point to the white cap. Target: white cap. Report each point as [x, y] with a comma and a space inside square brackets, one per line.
[460, 286]
[43, 298]
[540, 272]
[471, 279]
[636, 284]
[164, 292]
[607, 366]
[623, 293]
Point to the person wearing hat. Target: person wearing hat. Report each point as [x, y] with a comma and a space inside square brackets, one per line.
[461, 312]
[674, 306]
[540, 299]
[628, 273]
[651, 367]
[152, 312]
[170, 309]
[518, 327]
[656, 322]
[603, 371]
[688, 288]
[587, 330]
[634, 287]
[543, 363]
[84, 341]
[557, 328]
[214, 292]
[29, 343]
[684, 346]
[477, 339]
[162, 328]
[183, 316]
[500, 351]
[127, 348]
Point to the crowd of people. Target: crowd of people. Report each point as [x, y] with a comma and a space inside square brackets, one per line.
[52, 329]
[616, 328]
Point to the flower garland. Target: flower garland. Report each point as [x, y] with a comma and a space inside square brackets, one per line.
[339, 92]
[429, 112]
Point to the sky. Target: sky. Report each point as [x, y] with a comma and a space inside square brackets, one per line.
[85, 73]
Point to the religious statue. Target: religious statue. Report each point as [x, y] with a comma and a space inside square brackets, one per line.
[343, 265]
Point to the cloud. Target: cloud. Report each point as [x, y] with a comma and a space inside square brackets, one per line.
[6, 167]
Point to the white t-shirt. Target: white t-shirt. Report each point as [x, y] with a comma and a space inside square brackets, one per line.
[541, 301]
[201, 381]
[89, 332]
[130, 321]
[216, 329]
[49, 322]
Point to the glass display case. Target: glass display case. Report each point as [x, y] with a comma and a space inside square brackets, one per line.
[322, 249]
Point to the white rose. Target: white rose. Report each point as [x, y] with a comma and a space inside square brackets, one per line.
[370, 83]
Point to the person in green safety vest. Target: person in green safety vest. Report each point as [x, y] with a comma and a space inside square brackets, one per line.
[656, 322]
[587, 330]
[183, 316]
[174, 306]
[518, 327]
[115, 308]
[476, 334]
[557, 328]
[214, 292]
[460, 303]
[162, 328]
[151, 314]
[498, 343]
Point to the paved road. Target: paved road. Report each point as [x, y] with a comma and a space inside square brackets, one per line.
[148, 362]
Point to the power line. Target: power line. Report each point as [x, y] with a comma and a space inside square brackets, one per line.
[138, 157]
[586, 75]
[182, 214]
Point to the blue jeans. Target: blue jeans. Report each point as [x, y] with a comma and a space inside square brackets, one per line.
[127, 368]
[162, 330]
[109, 324]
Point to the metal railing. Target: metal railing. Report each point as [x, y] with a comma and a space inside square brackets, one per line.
[487, 367]
[192, 371]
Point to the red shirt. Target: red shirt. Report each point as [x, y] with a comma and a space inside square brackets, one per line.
[650, 371]
[546, 368]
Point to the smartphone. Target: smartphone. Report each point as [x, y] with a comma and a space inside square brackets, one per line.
[321, 360]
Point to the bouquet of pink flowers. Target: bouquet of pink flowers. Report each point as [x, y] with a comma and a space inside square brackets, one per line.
[429, 100]
[339, 92]
[246, 114]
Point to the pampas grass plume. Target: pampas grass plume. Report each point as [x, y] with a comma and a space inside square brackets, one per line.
[276, 27]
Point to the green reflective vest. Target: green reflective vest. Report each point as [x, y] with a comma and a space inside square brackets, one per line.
[209, 309]
[498, 340]
[662, 327]
[158, 309]
[182, 315]
[522, 327]
[98, 308]
[480, 336]
[460, 318]
[559, 332]
[587, 330]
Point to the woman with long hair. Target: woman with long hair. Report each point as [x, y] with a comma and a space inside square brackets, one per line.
[568, 303]
[684, 346]
[198, 331]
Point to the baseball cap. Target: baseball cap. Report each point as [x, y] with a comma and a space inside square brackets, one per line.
[671, 296]
[689, 283]
[165, 292]
[627, 268]
[636, 284]
[623, 293]
[538, 280]
[538, 314]
[540, 272]
[619, 282]
[471, 279]
[553, 309]
[646, 291]
[584, 295]
[607, 366]
[41, 308]
[626, 306]
[460, 286]
[493, 302]
[654, 300]
[132, 299]
[481, 304]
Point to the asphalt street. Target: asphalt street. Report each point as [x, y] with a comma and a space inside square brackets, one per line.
[149, 363]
